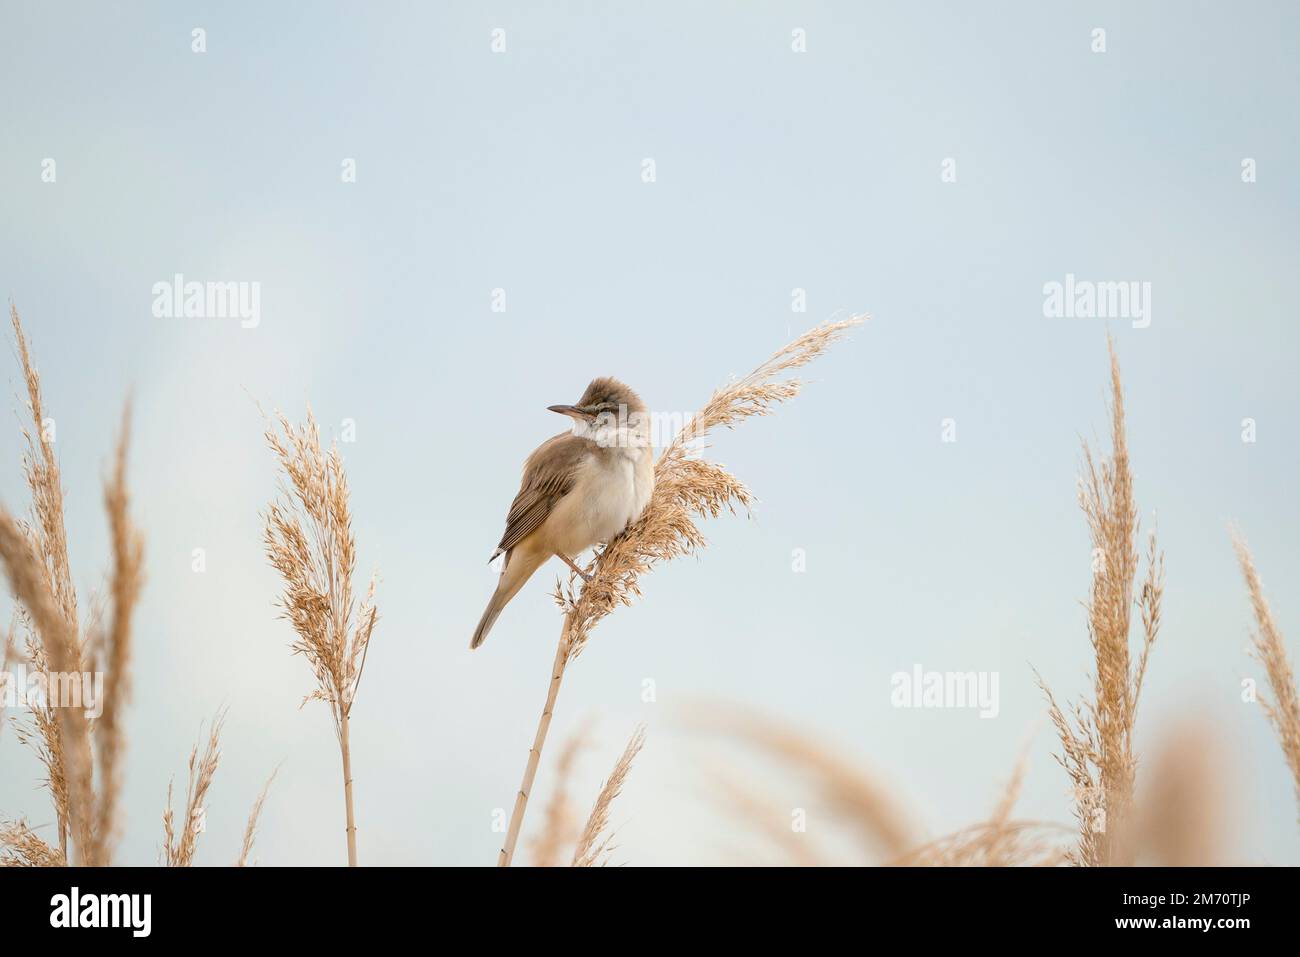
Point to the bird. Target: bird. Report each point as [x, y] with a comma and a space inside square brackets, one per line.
[579, 489]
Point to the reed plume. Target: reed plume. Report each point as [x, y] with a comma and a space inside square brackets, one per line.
[767, 817]
[686, 487]
[62, 737]
[593, 849]
[855, 802]
[250, 829]
[8, 656]
[1001, 841]
[1185, 801]
[1097, 735]
[1269, 649]
[35, 558]
[852, 797]
[46, 536]
[125, 583]
[308, 538]
[559, 828]
[179, 848]
[1005, 844]
[21, 847]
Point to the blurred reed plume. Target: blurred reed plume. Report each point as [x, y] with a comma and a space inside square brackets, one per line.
[559, 827]
[35, 558]
[593, 849]
[874, 815]
[250, 829]
[861, 818]
[308, 538]
[1184, 808]
[178, 849]
[686, 487]
[1097, 736]
[1270, 649]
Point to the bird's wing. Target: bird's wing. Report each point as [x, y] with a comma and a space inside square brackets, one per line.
[549, 475]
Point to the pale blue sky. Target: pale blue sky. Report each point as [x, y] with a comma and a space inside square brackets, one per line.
[775, 170]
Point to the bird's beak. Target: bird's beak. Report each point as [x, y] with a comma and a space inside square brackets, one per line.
[570, 410]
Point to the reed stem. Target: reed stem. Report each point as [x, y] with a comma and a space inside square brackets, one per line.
[346, 747]
[507, 854]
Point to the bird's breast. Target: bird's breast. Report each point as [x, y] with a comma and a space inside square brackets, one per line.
[612, 491]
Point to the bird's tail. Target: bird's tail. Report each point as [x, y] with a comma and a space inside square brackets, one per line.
[519, 567]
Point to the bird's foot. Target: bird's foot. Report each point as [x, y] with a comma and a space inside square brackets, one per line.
[578, 571]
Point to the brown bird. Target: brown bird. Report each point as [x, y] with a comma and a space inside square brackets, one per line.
[579, 489]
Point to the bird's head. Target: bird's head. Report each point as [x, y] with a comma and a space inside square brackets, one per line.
[605, 396]
[610, 414]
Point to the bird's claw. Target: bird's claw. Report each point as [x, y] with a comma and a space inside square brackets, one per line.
[576, 570]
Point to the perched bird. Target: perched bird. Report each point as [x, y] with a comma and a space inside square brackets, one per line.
[579, 488]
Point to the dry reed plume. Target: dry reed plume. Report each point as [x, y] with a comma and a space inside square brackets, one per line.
[1006, 844]
[35, 557]
[685, 487]
[876, 816]
[8, 656]
[179, 846]
[308, 538]
[1270, 649]
[178, 849]
[1097, 736]
[1001, 841]
[250, 829]
[21, 847]
[853, 803]
[768, 818]
[559, 827]
[1182, 813]
[593, 849]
